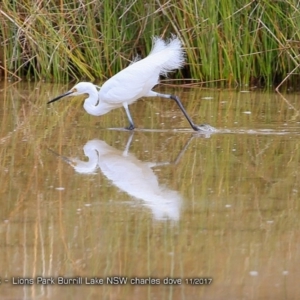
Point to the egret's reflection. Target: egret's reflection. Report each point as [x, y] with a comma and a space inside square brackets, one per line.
[130, 175]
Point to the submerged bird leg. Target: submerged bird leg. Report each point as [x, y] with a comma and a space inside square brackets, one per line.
[131, 124]
[177, 100]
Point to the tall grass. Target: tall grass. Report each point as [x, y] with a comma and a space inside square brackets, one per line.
[231, 43]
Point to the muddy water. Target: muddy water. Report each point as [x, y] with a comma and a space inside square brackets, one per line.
[176, 214]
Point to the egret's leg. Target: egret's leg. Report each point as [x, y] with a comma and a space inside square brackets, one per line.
[131, 124]
[177, 100]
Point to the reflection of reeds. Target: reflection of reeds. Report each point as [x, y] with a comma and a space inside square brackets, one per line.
[231, 42]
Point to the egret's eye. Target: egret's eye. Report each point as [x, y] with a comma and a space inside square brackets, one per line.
[74, 90]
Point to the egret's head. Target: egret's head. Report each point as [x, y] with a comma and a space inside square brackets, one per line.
[79, 89]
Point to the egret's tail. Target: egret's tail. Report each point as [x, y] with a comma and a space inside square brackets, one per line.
[168, 54]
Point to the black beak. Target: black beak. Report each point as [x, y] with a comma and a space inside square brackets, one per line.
[61, 96]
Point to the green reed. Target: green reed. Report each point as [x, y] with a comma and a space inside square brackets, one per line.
[229, 43]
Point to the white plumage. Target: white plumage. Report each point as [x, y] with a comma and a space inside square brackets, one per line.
[138, 79]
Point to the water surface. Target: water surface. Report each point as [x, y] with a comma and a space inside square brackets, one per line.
[82, 199]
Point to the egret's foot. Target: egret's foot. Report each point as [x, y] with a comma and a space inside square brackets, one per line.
[205, 128]
[130, 127]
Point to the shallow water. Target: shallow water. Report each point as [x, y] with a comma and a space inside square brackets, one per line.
[82, 199]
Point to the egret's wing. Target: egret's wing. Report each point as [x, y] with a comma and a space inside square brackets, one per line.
[130, 84]
[138, 79]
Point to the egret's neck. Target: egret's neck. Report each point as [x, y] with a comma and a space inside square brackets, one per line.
[94, 105]
[91, 102]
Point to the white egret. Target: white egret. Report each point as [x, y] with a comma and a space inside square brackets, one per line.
[134, 82]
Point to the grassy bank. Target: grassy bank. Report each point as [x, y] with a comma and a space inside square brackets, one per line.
[227, 43]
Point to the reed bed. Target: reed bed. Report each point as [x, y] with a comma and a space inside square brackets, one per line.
[228, 43]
